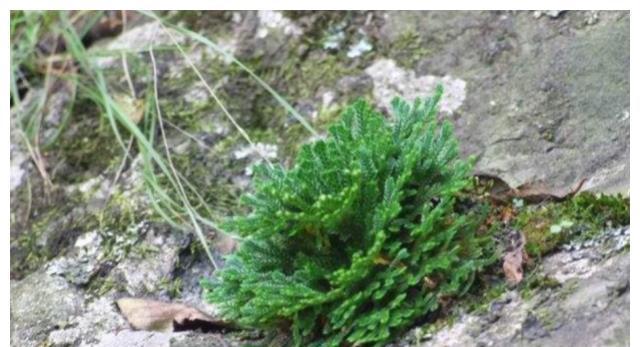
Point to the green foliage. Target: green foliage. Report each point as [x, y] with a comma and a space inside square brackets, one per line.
[581, 217]
[361, 237]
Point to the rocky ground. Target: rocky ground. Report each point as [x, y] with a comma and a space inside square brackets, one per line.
[540, 97]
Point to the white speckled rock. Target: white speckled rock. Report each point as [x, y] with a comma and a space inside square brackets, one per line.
[390, 80]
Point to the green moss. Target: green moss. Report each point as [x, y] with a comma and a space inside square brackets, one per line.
[536, 281]
[172, 286]
[255, 109]
[481, 297]
[210, 170]
[300, 80]
[546, 318]
[536, 226]
[582, 217]
[304, 78]
[209, 21]
[408, 50]
[192, 115]
[87, 148]
[569, 287]
[118, 225]
[34, 254]
[48, 229]
[104, 284]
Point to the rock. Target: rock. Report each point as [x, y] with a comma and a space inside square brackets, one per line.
[390, 81]
[100, 317]
[151, 263]
[18, 152]
[269, 20]
[16, 170]
[55, 108]
[594, 301]
[355, 85]
[137, 38]
[135, 339]
[256, 153]
[359, 48]
[551, 14]
[545, 110]
[203, 340]
[40, 303]
[532, 328]
[83, 261]
[267, 35]
[132, 338]
[192, 293]
[580, 259]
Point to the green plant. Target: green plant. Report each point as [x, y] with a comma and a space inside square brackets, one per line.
[361, 237]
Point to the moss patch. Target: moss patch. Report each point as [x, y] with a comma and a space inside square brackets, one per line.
[48, 227]
[408, 50]
[86, 149]
[581, 217]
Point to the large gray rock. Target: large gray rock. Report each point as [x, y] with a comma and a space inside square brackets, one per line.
[547, 100]
[88, 329]
[588, 308]
[41, 303]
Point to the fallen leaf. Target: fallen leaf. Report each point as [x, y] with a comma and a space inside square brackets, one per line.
[506, 215]
[152, 315]
[514, 258]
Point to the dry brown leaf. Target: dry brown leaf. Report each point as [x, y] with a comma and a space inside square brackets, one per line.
[513, 260]
[512, 267]
[152, 315]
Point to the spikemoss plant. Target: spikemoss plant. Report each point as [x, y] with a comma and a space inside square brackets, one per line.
[360, 238]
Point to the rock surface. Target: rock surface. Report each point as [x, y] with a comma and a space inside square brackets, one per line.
[538, 96]
[593, 296]
[41, 303]
[539, 105]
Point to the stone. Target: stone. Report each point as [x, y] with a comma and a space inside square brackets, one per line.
[355, 85]
[83, 262]
[267, 35]
[100, 317]
[390, 81]
[551, 14]
[40, 303]
[595, 301]
[133, 338]
[151, 263]
[547, 110]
